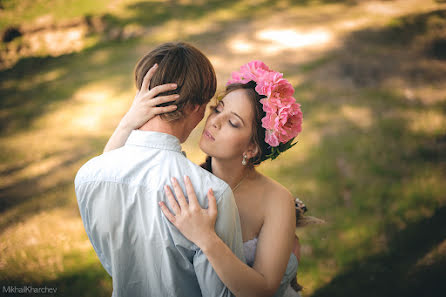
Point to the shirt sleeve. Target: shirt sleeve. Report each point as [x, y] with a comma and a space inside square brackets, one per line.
[84, 196]
[290, 273]
[228, 229]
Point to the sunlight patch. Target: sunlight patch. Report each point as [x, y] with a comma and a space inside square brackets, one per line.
[360, 116]
[286, 39]
[428, 122]
[382, 8]
[93, 106]
[241, 46]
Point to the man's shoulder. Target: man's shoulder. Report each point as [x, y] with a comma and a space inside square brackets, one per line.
[118, 165]
[93, 168]
[85, 171]
[204, 178]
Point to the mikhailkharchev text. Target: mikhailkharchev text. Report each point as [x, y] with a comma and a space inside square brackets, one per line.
[29, 289]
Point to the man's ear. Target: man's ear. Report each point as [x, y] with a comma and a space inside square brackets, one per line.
[196, 107]
[191, 108]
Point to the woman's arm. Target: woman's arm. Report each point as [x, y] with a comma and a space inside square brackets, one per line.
[144, 108]
[273, 249]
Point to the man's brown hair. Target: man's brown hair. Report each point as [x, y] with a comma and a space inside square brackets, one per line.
[185, 65]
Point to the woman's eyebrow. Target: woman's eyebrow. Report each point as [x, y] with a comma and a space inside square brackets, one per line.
[223, 103]
[238, 117]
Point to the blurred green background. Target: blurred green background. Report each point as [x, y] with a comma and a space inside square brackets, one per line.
[371, 159]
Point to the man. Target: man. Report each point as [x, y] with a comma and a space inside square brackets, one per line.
[118, 192]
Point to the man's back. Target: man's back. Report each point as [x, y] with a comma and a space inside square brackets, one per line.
[118, 194]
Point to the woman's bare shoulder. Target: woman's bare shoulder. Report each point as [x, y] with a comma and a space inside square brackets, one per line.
[278, 203]
[276, 193]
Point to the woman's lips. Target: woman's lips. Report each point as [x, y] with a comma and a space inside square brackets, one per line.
[208, 135]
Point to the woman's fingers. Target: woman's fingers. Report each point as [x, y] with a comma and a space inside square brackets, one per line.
[173, 203]
[193, 202]
[179, 193]
[146, 81]
[196, 224]
[182, 207]
[160, 100]
[212, 203]
[161, 89]
[165, 109]
[167, 212]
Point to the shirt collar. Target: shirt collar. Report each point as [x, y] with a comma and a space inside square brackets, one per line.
[152, 139]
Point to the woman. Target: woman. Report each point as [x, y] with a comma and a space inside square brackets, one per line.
[256, 120]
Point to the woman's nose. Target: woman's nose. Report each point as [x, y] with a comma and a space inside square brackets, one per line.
[215, 122]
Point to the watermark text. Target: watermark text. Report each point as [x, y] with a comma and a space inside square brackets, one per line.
[28, 290]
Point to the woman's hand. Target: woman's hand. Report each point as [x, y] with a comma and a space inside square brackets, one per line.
[144, 106]
[195, 223]
[142, 110]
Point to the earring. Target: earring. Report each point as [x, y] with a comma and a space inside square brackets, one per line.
[244, 160]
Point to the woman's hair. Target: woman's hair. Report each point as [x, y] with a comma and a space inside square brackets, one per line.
[258, 132]
[185, 65]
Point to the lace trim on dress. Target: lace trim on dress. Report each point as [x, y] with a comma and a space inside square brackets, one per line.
[250, 251]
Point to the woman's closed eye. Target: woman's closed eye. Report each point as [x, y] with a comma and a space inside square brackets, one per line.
[232, 124]
[218, 109]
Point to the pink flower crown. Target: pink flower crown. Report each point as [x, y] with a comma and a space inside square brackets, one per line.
[283, 120]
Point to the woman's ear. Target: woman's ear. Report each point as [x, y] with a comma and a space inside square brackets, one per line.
[252, 150]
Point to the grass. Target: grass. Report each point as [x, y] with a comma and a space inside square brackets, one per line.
[19, 12]
[370, 160]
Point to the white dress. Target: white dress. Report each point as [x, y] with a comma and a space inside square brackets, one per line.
[284, 289]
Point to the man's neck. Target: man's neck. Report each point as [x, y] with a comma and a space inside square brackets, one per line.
[158, 125]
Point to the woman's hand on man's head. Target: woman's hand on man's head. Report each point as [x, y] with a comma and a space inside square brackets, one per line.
[145, 104]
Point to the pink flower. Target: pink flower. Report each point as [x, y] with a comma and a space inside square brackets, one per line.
[272, 84]
[269, 105]
[289, 122]
[283, 89]
[271, 138]
[269, 121]
[239, 77]
[284, 124]
[267, 82]
[255, 67]
[273, 104]
[248, 72]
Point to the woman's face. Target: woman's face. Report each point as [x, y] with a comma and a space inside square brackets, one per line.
[228, 130]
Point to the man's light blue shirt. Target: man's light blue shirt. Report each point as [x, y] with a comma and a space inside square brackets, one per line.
[118, 194]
